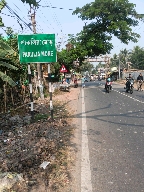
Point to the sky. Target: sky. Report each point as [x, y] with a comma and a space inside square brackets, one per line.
[61, 21]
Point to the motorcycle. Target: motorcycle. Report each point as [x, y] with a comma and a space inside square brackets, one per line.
[130, 86]
[108, 86]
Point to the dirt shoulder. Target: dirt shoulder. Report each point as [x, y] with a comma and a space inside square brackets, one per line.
[38, 156]
[72, 100]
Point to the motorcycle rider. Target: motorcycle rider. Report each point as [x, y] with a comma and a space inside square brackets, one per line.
[108, 79]
[139, 80]
[128, 80]
[75, 81]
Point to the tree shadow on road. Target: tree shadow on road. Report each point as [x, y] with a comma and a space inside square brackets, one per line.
[113, 118]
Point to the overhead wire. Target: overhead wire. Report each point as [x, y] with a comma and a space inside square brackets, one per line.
[18, 17]
[14, 13]
[55, 18]
[14, 17]
[49, 6]
[38, 26]
[41, 19]
[55, 7]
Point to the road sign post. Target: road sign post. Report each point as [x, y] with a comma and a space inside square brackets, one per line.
[50, 91]
[37, 48]
[63, 69]
[31, 96]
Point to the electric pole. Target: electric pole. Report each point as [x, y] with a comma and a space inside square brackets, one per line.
[39, 67]
[119, 67]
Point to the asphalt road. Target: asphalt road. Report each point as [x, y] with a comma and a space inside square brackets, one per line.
[115, 133]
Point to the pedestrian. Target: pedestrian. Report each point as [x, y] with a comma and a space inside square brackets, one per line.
[139, 81]
[83, 81]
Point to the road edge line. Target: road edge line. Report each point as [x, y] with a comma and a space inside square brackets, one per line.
[86, 184]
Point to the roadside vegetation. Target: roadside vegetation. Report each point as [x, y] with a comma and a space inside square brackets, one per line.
[24, 146]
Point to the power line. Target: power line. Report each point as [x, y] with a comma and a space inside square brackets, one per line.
[18, 17]
[55, 7]
[56, 18]
[7, 15]
[28, 15]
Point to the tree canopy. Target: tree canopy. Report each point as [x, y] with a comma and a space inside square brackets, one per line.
[137, 58]
[107, 18]
[30, 2]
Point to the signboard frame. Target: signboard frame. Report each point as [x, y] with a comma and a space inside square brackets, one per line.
[37, 48]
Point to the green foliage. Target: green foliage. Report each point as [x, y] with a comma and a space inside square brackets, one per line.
[100, 65]
[86, 66]
[5, 64]
[108, 18]
[30, 2]
[137, 58]
[2, 5]
[7, 79]
[39, 117]
[14, 58]
[6, 51]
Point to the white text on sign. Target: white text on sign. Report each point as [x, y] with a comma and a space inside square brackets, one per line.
[38, 54]
[37, 42]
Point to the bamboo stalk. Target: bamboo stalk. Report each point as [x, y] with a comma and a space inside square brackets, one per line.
[12, 96]
[5, 98]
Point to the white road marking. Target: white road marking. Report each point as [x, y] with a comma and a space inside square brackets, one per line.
[86, 184]
[126, 95]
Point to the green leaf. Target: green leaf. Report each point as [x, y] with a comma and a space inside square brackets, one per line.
[6, 47]
[30, 2]
[2, 4]
[7, 79]
[4, 64]
[107, 18]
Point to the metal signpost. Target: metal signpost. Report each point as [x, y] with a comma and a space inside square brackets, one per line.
[37, 48]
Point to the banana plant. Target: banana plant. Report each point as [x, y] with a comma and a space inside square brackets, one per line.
[5, 52]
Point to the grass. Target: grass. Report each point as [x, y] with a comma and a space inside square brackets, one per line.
[40, 117]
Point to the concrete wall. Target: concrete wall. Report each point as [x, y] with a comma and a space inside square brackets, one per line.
[134, 74]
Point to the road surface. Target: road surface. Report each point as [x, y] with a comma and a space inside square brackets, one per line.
[112, 141]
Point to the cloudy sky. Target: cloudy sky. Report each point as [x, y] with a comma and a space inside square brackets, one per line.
[59, 20]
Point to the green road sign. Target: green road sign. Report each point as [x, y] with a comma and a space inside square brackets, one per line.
[37, 48]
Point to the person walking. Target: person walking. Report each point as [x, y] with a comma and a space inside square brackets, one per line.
[83, 81]
[139, 82]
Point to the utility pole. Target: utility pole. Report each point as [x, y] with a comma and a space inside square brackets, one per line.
[119, 66]
[118, 59]
[39, 67]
